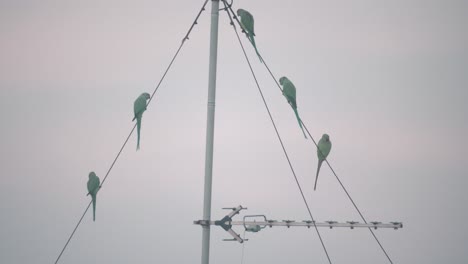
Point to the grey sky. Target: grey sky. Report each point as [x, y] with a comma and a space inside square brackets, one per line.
[385, 79]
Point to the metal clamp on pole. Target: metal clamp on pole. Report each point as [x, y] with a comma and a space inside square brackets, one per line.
[202, 222]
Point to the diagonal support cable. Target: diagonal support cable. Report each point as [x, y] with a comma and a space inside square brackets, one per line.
[329, 165]
[131, 132]
[276, 130]
[315, 143]
[334, 173]
[351, 199]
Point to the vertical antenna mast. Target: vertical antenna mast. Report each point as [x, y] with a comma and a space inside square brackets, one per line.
[210, 131]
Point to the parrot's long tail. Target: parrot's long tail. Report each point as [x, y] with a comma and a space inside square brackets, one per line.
[318, 170]
[299, 121]
[138, 132]
[255, 46]
[94, 207]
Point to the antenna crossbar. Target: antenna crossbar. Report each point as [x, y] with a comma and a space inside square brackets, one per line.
[254, 226]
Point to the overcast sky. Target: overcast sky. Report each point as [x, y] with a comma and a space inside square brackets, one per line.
[387, 80]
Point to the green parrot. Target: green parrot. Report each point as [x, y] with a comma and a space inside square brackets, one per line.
[247, 23]
[289, 91]
[93, 188]
[324, 147]
[138, 108]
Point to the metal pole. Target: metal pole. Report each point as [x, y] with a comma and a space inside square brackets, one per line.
[210, 131]
[330, 224]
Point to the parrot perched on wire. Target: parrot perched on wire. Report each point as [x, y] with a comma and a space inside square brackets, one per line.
[93, 188]
[289, 91]
[323, 149]
[138, 108]
[247, 23]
